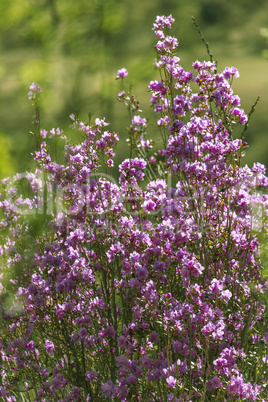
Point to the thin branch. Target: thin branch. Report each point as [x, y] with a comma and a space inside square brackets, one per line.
[203, 38]
[249, 116]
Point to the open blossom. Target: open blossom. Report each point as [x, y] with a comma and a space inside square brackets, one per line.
[82, 333]
[108, 389]
[226, 295]
[139, 121]
[59, 381]
[265, 359]
[167, 44]
[91, 376]
[230, 72]
[43, 133]
[145, 143]
[215, 383]
[54, 132]
[171, 381]
[153, 337]
[163, 21]
[122, 73]
[216, 286]
[142, 273]
[49, 345]
[148, 206]
[35, 89]
[240, 114]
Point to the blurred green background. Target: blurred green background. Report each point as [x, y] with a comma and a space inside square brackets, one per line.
[73, 49]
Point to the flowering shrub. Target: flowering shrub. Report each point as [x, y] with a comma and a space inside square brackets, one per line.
[149, 289]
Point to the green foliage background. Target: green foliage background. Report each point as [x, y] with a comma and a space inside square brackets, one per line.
[73, 49]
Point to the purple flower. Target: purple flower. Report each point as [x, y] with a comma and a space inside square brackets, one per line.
[168, 44]
[171, 382]
[177, 346]
[153, 337]
[91, 376]
[148, 206]
[162, 21]
[141, 273]
[30, 345]
[131, 379]
[134, 283]
[122, 73]
[139, 121]
[35, 89]
[59, 381]
[216, 286]
[50, 347]
[82, 333]
[2, 391]
[123, 267]
[230, 72]
[146, 362]
[265, 359]
[54, 132]
[121, 95]
[108, 389]
[214, 383]
[43, 133]
[208, 328]
[172, 398]
[110, 331]
[226, 295]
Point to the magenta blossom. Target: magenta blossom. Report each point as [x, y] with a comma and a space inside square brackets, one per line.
[122, 73]
[50, 347]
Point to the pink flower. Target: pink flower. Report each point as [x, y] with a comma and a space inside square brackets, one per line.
[226, 295]
[139, 121]
[107, 389]
[122, 73]
[142, 273]
[59, 381]
[43, 133]
[110, 331]
[132, 379]
[35, 89]
[121, 95]
[215, 382]
[171, 381]
[82, 333]
[49, 345]
[230, 72]
[134, 283]
[163, 21]
[153, 337]
[148, 206]
[91, 376]
[54, 132]
[265, 359]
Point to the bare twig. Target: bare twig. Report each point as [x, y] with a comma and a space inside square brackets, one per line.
[203, 38]
[249, 116]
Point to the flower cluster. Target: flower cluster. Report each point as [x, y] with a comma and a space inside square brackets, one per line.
[146, 290]
[35, 90]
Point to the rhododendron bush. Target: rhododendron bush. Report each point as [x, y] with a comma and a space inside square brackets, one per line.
[146, 289]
